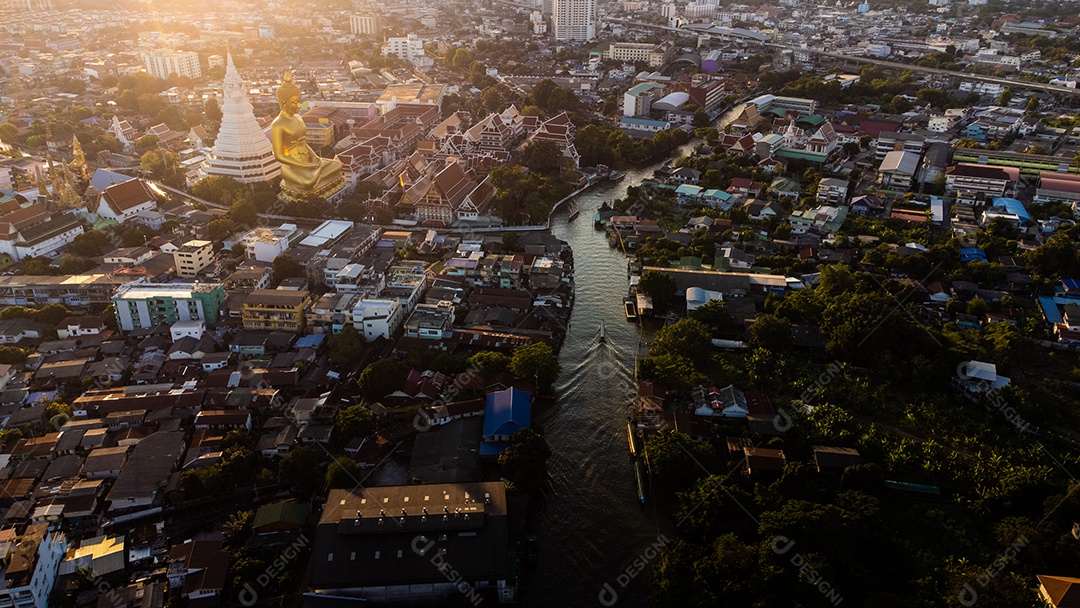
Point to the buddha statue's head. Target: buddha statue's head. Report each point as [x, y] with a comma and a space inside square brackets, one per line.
[288, 95]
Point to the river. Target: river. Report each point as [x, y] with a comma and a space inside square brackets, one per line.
[592, 528]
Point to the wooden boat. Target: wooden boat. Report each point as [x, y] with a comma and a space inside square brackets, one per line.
[631, 309]
[633, 438]
[639, 477]
[574, 212]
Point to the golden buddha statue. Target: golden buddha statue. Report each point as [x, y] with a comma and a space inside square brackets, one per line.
[303, 173]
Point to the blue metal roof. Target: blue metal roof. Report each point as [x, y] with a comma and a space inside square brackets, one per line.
[1013, 206]
[972, 254]
[507, 412]
[310, 341]
[1051, 310]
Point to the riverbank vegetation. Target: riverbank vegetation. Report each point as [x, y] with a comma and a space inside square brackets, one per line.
[948, 485]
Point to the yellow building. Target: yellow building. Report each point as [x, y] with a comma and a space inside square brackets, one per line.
[269, 309]
[192, 257]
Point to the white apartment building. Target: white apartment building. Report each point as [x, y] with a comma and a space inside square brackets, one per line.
[698, 11]
[941, 123]
[656, 55]
[378, 317]
[365, 25]
[574, 20]
[983, 88]
[192, 257]
[30, 567]
[165, 63]
[409, 48]
[264, 244]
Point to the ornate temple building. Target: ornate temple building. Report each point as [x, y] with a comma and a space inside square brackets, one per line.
[242, 151]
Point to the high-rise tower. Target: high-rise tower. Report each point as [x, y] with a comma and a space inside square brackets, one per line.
[574, 19]
[242, 150]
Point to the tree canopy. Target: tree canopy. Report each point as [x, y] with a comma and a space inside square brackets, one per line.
[536, 362]
[382, 378]
[660, 287]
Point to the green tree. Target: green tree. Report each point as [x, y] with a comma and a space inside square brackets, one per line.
[344, 473]
[243, 212]
[51, 314]
[524, 463]
[73, 264]
[491, 99]
[769, 332]
[9, 133]
[353, 421]
[660, 287]
[162, 165]
[536, 362]
[216, 189]
[543, 156]
[346, 346]
[237, 528]
[834, 280]
[58, 408]
[977, 307]
[462, 59]
[298, 468]
[220, 229]
[510, 241]
[12, 355]
[38, 266]
[192, 484]
[713, 313]
[212, 111]
[675, 372]
[90, 243]
[672, 457]
[901, 105]
[285, 267]
[687, 338]
[489, 363]
[237, 439]
[382, 378]
[146, 142]
[1005, 97]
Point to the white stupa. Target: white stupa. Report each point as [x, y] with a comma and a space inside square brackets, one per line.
[242, 150]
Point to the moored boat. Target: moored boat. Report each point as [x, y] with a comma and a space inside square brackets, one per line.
[639, 477]
[633, 438]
